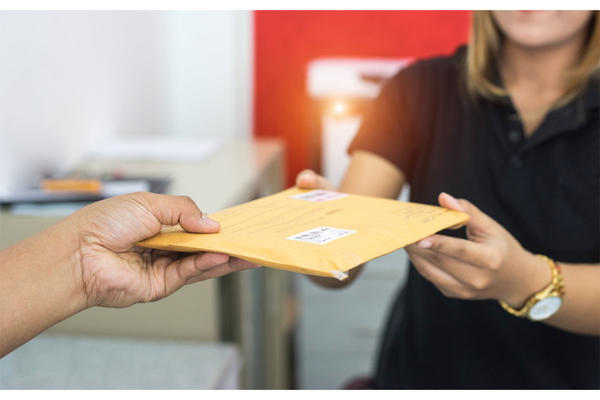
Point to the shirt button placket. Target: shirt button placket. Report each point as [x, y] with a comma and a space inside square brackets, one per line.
[516, 161]
[514, 136]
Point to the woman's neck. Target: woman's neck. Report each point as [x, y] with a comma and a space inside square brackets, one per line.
[536, 78]
[539, 68]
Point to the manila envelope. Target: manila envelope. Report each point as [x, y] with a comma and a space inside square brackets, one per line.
[316, 232]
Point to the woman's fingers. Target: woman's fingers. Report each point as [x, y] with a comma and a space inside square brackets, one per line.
[309, 179]
[479, 226]
[461, 250]
[445, 282]
[472, 278]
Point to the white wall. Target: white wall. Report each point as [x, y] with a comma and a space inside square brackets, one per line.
[210, 62]
[68, 79]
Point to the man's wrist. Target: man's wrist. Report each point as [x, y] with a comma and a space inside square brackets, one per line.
[42, 285]
[71, 254]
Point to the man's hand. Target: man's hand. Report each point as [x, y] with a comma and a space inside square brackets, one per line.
[491, 264]
[91, 259]
[117, 273]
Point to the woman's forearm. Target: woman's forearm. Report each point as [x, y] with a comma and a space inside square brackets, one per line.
[580, 311]
[39, 285]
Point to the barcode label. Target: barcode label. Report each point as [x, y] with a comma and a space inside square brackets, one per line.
[320, 195]
[321, 235]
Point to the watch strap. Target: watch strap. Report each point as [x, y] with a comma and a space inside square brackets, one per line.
[556, 288]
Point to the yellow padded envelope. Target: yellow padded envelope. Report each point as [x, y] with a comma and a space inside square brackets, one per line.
[316, 232]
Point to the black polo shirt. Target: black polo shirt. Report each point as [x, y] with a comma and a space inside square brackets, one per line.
[543, 189]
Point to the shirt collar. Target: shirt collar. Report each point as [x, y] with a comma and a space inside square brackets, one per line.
[591, 94]
[589, 98]
[567, 118]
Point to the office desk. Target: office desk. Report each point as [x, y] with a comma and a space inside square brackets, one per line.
[249, 307]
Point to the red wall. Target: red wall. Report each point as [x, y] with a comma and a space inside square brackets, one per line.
[285, 41]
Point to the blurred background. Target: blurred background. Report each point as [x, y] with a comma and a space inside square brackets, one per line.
[223, 106]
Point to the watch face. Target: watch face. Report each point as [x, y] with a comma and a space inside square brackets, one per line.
[545, 308]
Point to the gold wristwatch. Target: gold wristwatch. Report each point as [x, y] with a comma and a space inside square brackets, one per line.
[547, 301]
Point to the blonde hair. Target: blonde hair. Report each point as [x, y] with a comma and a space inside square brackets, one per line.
[483, 55]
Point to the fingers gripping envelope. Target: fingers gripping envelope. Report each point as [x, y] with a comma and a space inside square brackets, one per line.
[316, 232]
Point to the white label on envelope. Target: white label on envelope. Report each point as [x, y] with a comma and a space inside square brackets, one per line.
[321, 235]
[320, 195]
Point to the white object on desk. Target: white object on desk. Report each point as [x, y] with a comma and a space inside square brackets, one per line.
[79, 362]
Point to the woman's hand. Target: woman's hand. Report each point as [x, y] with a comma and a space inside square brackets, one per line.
[117, 273]
[309, 179]
[491, 264]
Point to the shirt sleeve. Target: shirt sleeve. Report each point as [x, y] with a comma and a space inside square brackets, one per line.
[388, 129]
